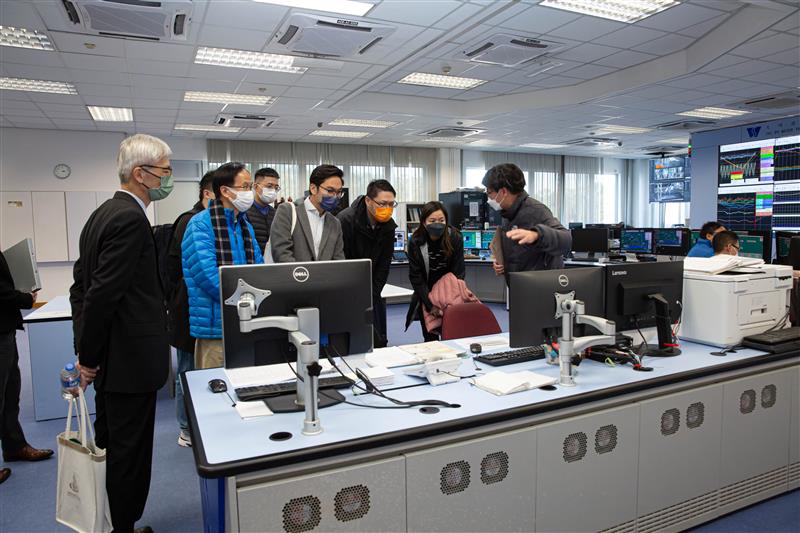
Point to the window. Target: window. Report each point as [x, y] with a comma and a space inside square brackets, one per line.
[473, 176]
[676, 213]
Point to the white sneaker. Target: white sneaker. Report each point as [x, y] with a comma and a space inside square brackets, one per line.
[184, 439]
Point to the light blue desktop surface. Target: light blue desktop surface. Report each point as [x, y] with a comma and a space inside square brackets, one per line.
[226, 437]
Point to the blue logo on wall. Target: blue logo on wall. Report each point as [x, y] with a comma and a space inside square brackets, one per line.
[754, 131]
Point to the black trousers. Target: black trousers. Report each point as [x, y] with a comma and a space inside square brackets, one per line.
[124, 427]
[379, 321]
[11, 436]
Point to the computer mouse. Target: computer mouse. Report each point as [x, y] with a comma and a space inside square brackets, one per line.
[217, 385]
[475, 348]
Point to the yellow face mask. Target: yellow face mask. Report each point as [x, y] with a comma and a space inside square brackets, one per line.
[383, 214]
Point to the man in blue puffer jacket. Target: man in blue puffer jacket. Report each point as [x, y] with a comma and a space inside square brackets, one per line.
[220, 235]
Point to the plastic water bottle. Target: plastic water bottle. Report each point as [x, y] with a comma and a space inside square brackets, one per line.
[70, 381]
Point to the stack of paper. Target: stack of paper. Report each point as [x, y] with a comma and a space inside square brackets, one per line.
[430, 351]
[268, 374]
[502, 383]
[380, 376]
[248, 410]
[719, 263]
[390, 357]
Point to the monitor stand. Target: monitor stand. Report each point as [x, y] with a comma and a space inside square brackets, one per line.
[666, 341]
[287, 403]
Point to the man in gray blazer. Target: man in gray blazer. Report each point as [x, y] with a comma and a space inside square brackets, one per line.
[306, 230]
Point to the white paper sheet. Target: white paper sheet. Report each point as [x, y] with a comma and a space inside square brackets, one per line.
[390, 357]
[254, 409]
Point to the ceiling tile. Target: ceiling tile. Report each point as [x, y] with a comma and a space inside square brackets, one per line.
[745, 68]
[90, 62]
[587, 53]
[74, 124]
[98, 89]
[159, 51]
[400, 88]
[232, 16]
[788, 57]
[419, 12]
[76, 43]
[155, 104]
[588, 72]
[538, 20]
[158, 82]
[110, 101]
[253, 88]
[699, 30]
[20, 15]
[26, 56]
[56, 98]
[771, 45]
[98, 76]
[223, 37]
[722, 62]
[457, 16]
[678, 17]
[16, 107]
[586, 28]
[157, 68]
[665, 45]
[314, 81]
[695, 80]
[624, 59]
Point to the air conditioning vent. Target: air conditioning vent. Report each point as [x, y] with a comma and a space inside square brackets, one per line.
[662, 149]
[450, 132]
[685, 124]
[315, 36]
[233, 120]
[774, 101]
[132, 19]
[594, 142]
[507, 50]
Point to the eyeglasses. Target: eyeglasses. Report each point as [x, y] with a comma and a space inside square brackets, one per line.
[338, 193]
[392, 204]
[275, 188]
[247, 186]
[168, 170]
[736, 246]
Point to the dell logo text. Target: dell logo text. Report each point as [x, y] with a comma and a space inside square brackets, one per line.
[563, 280]
[300, 274]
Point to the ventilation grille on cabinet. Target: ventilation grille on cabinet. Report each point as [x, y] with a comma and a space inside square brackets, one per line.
[752, 487]
[494, 468]
[351, 503]
[747, 402]
[769, 395]
[302, 514]
[676, 514]
[695, 415]
[627, 527]
[455, 477]
[575, 447]
[605, 440]
[670, 422]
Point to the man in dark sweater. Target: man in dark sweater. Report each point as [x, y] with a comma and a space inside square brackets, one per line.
[15, 447]
[178, 303]
[368, 233]
[266, 186]
[531, 237]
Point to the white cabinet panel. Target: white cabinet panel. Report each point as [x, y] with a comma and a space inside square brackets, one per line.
[80, 206]
[17, 218]
[49, 226]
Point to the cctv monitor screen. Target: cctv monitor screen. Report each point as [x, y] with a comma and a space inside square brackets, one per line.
[399, 240]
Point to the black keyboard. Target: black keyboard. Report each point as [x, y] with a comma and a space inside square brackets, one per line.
[259, 392]
[510, 357]
[778, 341]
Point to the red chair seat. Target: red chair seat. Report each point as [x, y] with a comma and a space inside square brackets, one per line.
[468, 320]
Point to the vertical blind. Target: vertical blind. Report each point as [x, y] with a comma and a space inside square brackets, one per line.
[412, 171]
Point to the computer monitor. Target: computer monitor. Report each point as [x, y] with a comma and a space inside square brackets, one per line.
[615, 230]
[486, 238]
[638, 241]
[532, 302]
[636, 294]
[399, 240]
[472, 239]
[322, 284]
[751, 246]
[695, 235]
[754, 245]
[782, 242]
[576, 225]
[592, 240]
[673, 241]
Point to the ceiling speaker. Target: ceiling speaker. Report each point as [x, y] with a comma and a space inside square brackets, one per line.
[455, 477]
[575, 447]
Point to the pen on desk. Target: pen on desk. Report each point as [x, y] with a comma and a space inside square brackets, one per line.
[233, 402]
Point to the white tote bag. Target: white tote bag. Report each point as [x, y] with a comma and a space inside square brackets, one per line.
[81, 500]
[268, 259]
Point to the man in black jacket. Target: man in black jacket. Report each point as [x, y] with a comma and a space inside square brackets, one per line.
[15, 447]
[266, 186]
[368, 233]
[119, 322]
[531, 237]
[178, 304]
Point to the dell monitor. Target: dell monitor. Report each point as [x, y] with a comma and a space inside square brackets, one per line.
[532, 302]
[399, 240]
[472, 239]
[782, 243]
[639, 241]
[674, 241]
[591, 240]
[756, 244]
[639, 295]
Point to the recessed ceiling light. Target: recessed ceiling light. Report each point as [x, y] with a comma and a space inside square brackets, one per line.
[342, 134]
[437, 80]
[22, 38]
[542, 146]
[111, 114]
[37, 86]
[227, 98]
[346, 7]
[359, 123]
[225, 57]
[621, 10]
[713, 112]
[203, 127]
[610, 128]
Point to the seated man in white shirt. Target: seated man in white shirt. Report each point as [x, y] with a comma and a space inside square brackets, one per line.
[726, 243]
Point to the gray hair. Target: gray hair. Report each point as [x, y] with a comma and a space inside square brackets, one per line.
[137, 150]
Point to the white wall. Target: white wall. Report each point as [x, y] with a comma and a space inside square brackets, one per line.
[27, 158]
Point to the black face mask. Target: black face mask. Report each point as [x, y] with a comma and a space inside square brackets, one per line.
[435, 230]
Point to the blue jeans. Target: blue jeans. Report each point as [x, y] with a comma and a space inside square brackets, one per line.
[185, 363]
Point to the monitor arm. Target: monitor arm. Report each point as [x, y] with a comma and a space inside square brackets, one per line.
[570, 309]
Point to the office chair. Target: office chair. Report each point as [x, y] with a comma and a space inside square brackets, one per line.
[468, 320]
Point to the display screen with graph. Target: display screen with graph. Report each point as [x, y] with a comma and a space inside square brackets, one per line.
[745, 207]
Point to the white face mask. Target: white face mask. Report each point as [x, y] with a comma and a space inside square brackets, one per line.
[494, 204]
[268, 195]
[243, 201]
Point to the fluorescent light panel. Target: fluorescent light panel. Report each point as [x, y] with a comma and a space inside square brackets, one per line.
[345, 7]
[228, 98]
[203, 127]
[622, 10]
[713, 112]
[22, 38]
[37, 86]
[111, 114]
[542, 146]
[675, 140]
[226, 57]
[437, 80]
[342, 134]
[359, 123]
[610, 128]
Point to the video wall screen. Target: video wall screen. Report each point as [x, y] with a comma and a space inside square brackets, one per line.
[670, 179]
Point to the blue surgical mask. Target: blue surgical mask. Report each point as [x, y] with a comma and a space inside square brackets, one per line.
[329, 203]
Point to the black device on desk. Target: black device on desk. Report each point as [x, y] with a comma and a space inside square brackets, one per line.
[511, 357]
[777, 341]
[260, 392]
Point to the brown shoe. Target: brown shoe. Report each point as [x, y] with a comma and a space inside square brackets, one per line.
[27, 453]
[4, 474]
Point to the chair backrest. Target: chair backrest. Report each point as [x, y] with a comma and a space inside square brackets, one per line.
[468, 320]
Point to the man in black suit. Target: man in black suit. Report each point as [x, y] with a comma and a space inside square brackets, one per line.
[15, 447]
[120, 327]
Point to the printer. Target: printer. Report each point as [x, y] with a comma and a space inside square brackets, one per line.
[721, 309]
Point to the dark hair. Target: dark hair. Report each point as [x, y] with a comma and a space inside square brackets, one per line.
[205, 183]
[506, 175]
[723, 239]
[375, 187]
[709, 227]
[323, 172]
[225, 176]
[421, 233]
[264, 173]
